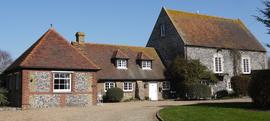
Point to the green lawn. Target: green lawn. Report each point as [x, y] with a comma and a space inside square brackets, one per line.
[215, 112]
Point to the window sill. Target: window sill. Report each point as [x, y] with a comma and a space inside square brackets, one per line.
[122, 68]
[63, 92]
[128, 91]
[147, 69]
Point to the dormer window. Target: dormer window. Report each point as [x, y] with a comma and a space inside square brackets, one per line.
[145, 61]
[146, 64]
[121, 64]
[121, 59]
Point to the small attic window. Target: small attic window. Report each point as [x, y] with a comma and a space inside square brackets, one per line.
[146, 64]
[162, 30]
[121, 63]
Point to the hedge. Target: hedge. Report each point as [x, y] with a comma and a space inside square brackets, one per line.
[240, 85]
[259, 88]
[197, 91]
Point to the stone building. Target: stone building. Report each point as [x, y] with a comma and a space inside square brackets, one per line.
[223, 45]
[138, 71]
[53, 72]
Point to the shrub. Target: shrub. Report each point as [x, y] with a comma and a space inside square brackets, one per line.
[197, 91]
[240, 85]
[259, 88]
[186, 72]
[114, 95]
[222, 93]
[3, 98]
[189, 71]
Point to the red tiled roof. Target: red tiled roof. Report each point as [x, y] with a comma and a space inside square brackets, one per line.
[119, 54]
[143, 56]
[52, 51]
[101, 54]
[211, 31]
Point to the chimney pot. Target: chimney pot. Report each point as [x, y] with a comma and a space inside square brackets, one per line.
[80, 37]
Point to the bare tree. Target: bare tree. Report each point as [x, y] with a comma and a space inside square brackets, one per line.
[5, 60]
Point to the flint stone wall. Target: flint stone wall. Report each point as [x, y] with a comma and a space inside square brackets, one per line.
[206, 55]
[42, 95]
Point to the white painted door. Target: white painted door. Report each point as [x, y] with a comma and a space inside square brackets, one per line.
[153, 91]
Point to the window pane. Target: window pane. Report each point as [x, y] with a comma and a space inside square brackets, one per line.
[56, 86]
[56, 81]
[56, 75]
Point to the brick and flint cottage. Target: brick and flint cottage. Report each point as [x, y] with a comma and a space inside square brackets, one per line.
[53, 72]
[223, 45]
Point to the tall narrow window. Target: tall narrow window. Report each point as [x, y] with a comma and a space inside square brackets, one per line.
[121, 64]
[108, 85]
[218, 63]
[62, 82]
[246, 65]
[162, 30]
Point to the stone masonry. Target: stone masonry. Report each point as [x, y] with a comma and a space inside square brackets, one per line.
[172, 45]
[39, 92]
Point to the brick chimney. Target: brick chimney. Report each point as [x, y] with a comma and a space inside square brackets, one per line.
[80, 37]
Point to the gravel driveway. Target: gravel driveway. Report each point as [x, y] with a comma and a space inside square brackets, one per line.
[126, 111]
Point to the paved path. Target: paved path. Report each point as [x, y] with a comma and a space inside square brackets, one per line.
[127, 111]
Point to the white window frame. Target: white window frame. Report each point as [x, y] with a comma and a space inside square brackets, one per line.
[110, 85]
[121, 63]
[146, 65]
[69, 78]
[166, 85]
[128, 86]
[220, 63]
[246, 70]
[162, 30]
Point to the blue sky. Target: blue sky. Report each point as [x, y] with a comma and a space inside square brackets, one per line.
[128, 22]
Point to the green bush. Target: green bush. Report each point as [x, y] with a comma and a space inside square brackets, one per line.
[197, 91]
[259, 88]
[222, 93]
[114, 95]
[3, 98]
[240, 85]
[189, 72]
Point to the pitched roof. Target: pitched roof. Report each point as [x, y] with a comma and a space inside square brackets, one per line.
[211, 31]
[143, 56]
[119, 54]
[101, 54]
[52, 51]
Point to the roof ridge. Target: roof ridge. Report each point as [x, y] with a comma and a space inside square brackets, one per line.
[76, 50]
[103, 44]
[199, 14]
